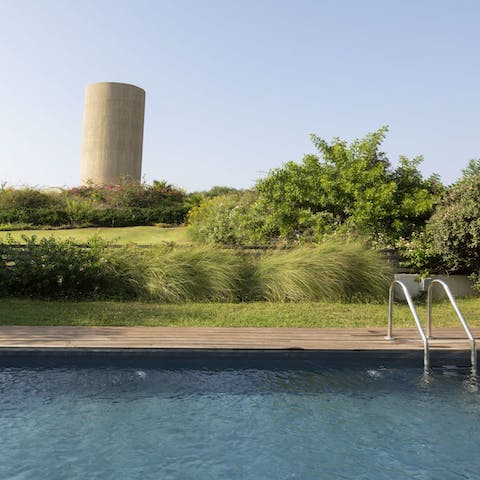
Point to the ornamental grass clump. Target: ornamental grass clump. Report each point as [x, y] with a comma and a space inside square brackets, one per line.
[126, 271]
[193, 274]
[326, 272]
[53, 268]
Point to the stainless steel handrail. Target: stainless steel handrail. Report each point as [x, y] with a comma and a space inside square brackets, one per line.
[459, 315]
[391, 293]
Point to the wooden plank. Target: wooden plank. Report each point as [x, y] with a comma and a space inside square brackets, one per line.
[226, 338]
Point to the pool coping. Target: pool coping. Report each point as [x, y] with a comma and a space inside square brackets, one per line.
[206, 347]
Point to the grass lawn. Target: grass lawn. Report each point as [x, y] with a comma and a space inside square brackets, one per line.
[140, 235]
[261, 314]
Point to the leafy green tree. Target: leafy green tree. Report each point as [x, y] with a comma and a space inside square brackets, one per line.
[348, 188]
[455, 226]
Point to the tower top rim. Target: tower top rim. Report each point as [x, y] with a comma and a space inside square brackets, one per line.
[95, 84]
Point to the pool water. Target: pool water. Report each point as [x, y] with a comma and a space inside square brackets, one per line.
[144, 422]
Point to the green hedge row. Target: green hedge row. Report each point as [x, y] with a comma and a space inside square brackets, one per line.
[103, 206]
[105, 217]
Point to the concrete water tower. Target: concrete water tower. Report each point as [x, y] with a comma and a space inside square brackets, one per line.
[112, 134]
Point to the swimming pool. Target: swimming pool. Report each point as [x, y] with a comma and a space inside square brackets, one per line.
[134, 418]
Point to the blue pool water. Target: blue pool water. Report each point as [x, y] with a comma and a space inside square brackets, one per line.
[139, 421]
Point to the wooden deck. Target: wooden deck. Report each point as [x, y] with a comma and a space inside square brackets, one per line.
[32, 338]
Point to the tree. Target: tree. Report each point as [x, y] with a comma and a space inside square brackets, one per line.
[455, 225]
[349, 188]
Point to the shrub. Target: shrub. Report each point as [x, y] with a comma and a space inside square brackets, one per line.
[418, 253]
[79, 211]
[225, 219]
[455, 225]
[348, 188]
[128, 195]
[128, 217]
[31, 206]
[103, 206]
[194, 199]
[326, 272]
[51, 268]
[27, 198]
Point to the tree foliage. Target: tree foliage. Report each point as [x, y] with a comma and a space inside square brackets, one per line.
[455, 225]
[347, 188]
[226, 219]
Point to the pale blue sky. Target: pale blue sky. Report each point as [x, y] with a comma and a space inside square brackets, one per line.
[234, 88]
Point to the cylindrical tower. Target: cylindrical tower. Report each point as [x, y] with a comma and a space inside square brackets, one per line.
[112, 134]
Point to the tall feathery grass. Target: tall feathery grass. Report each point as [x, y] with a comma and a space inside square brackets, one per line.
[332, 271]
[173, 274]
[194, 274]
[325, 272]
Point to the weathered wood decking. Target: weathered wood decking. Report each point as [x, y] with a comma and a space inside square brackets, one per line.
[26, 337]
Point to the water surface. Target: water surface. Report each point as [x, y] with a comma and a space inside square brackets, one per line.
[143, 422]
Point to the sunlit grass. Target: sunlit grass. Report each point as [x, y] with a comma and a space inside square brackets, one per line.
[257, 314]
[121, 235]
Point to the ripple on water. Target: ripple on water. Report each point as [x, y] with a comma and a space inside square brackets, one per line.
[146, 423]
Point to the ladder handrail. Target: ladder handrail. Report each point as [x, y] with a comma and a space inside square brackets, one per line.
[465, 326]
[391, 294]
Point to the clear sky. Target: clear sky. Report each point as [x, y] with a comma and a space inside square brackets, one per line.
[235, 87]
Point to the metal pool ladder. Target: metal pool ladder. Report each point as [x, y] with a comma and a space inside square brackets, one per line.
[436, 281]
[425, 338]
[426, 353]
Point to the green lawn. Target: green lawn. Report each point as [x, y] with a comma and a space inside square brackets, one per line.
[140, 235]
[261, 314]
